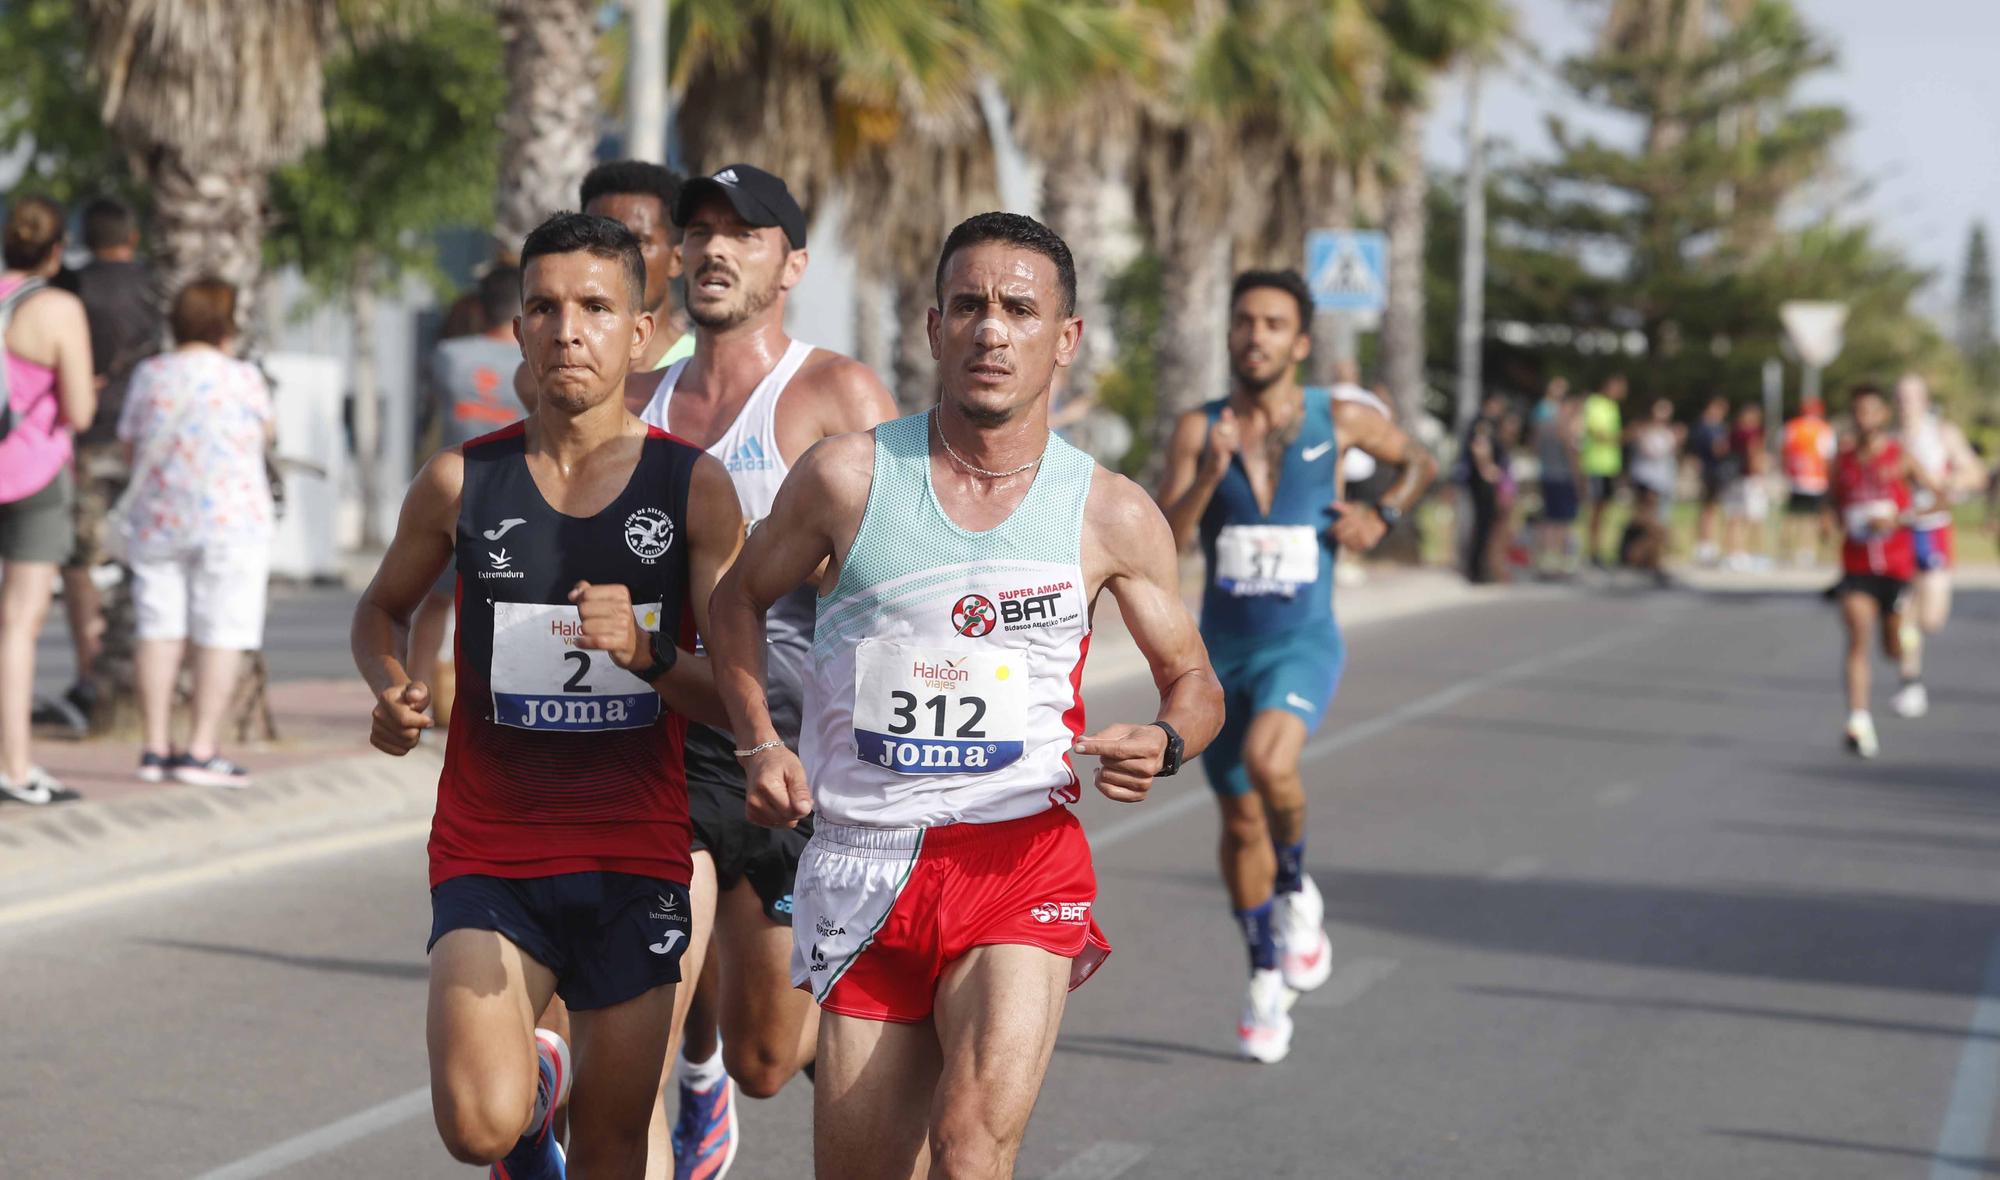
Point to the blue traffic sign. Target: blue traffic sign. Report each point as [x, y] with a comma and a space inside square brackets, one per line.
[1348, 269]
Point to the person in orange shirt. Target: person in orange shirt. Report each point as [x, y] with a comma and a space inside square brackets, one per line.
[1809, 447]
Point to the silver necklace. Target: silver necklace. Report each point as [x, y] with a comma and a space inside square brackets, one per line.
[960, 459]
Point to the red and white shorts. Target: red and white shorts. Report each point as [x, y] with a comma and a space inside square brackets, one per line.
[879, 914]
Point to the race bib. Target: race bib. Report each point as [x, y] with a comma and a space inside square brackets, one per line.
[542, 680]
[929, 711]
[1864, 517]
[1255, 560]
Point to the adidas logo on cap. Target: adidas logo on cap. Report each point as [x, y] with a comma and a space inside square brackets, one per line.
[726, 176]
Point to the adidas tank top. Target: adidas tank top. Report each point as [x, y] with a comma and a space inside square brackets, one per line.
[946, 671]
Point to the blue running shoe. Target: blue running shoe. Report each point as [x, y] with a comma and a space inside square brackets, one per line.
[705, 1135]
[538, 1156]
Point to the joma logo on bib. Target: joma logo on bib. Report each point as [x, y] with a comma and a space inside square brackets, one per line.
[570, 712]
[931, 711]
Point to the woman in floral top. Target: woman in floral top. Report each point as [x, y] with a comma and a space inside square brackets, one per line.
[197, 528]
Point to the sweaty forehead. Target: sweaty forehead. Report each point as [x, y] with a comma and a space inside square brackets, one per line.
[996, 266]
[578, 273]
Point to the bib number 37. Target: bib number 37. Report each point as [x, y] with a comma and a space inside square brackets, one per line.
[930, 712]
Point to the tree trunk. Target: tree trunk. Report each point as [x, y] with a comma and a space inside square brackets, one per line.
[646, 81]
[916, 372]
[1194, 285]
[1072, 205]
[1329, 204]
[873, 336]
[367, 399]
[550, 128]
[208, 220]
[1403, 321]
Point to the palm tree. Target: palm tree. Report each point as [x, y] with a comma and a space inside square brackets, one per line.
[207, 97]
[550, 128]
[1425, 37]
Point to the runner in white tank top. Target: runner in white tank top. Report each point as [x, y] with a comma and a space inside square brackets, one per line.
[1945, 467]
[964, 550]
[757, 401]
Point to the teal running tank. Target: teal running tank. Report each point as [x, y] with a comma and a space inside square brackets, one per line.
[1272, 572]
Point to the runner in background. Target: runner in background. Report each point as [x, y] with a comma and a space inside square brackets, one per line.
[1808, 449]
[1951, 471]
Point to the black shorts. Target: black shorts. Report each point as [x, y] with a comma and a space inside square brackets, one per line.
[768, 858]
[1603, 488]
[1886, 591]
[1805, 503]
[1713, 481]
[609, 937]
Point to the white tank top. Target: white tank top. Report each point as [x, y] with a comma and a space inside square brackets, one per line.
[749, 449]
[1923, 441]
[947, 665]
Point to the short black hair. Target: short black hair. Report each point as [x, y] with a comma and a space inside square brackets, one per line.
[1291, 282]
[1866, 389]
[108, 224]
[635, 178]
[500, 294]
[1013, 229]
[587, 233]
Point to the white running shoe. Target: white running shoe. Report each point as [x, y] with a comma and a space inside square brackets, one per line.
[1265, 1033]
[1861, 735]
[1911, 700]
[1305, 954]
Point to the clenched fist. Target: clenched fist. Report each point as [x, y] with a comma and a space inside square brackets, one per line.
[609, 625]
[775, 789]
[399, 718]
[1224, 438]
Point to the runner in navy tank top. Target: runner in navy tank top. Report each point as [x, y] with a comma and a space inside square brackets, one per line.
[1254, 477]
[587, 545]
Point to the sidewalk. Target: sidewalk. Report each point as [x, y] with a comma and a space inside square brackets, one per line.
[323, 779]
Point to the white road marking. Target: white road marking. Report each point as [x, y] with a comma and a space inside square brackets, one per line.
[1617, 794]
[1102, 1161]
[1348, 982]
[1153, 814]
[1517, 868]
[1968, 1118]
[300, 1148]
[251, 861]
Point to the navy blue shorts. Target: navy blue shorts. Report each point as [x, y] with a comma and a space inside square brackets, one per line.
[1294, 673]
[609, 937]
[1559, 500]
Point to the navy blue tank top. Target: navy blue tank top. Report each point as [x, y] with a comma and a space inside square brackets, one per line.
[1273, 572]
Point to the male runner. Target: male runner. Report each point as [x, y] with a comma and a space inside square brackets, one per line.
[757, 400]
[586, 544]
[640, 196]
[1939, 449]
[1252, 476]
[943, 906]
[1872, 497]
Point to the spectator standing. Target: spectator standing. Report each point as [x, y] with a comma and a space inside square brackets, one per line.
[1656, 447]
[1483, 470]
[472, 394]
[1708, 446]
[119, 302]
[1746, 502]
[1808, 451]
[1603, 457]
[1557, 430]
[49, 394]
[196, 526]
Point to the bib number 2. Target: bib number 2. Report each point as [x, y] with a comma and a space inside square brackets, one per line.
[931, 712]
[542, 680]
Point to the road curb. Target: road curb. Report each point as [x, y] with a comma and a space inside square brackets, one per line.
[78, 845]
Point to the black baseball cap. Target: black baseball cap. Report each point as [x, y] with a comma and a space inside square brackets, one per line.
[757, 196]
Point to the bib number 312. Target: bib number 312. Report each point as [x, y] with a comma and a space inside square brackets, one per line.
[932, 712]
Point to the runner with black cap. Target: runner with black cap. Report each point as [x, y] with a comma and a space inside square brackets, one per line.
[757, 400]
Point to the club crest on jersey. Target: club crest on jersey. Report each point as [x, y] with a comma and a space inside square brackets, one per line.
[649, 533]
[972, 616]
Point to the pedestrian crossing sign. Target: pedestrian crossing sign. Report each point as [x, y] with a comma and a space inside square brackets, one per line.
[1348, 269]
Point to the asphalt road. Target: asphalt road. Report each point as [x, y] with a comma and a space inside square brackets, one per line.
[1607, 900]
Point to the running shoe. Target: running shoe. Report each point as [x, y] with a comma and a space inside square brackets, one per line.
[1911, 700]
[1861, 735]
[158, 768]
[38, 789]
[213, 771]
[1265, 1032]
[537, 1156]
[705, 1134]
[1305, 954]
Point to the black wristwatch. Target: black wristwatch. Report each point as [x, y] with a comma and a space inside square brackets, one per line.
[1170, 763]
[664, 655]
[1388, 514]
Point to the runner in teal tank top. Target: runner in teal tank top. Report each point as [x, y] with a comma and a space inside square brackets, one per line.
[1254, 478]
